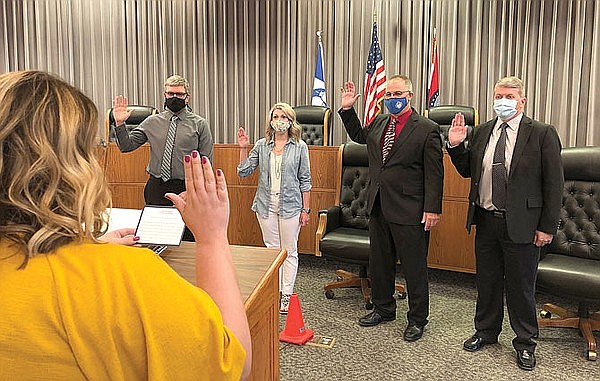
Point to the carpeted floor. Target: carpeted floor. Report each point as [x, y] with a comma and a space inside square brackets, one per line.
[379, 353]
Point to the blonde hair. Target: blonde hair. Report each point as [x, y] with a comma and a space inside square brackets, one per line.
[511, 83]
[177, 80]
[52, 189]
[295, 131]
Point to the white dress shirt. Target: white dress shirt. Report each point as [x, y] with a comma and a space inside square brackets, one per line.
[485, 182]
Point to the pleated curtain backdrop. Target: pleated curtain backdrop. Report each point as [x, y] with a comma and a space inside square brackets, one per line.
[243, 56]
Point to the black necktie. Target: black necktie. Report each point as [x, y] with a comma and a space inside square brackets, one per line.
[499, 171]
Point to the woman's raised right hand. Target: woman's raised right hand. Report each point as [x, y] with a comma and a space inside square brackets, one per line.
[242, 138]
[205, 205]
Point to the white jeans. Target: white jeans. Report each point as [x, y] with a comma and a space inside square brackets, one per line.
[278, 232]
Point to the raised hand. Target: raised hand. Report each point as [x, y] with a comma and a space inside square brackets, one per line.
[205, 210]
[242, 138]
[205, 206]
[120, 112]
[349, 95]
[458, 131]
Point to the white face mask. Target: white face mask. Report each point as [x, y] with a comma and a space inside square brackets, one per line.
[280, 125]
[505, 108]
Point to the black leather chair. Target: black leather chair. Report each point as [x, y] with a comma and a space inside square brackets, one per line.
[315, 124]
[138, 114]
[570, 265]
[443, 116]
[343, 232]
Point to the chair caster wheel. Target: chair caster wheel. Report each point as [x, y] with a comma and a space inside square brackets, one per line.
[545, 314]
[402, 295]
[369, 306]
[329, 294]
[591, 355]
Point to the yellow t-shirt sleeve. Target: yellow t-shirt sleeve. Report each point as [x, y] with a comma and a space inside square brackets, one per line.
[129, 316]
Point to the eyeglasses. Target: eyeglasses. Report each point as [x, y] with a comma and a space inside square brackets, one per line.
[395, 94]
[170, 94]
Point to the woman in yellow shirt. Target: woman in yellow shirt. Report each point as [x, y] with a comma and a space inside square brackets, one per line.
[74, 307]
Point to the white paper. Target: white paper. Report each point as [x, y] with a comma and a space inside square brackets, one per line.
[160, 225]
[123, 218]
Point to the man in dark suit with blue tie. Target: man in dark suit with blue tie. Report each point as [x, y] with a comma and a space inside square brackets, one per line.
[404, 199]
[516, 176]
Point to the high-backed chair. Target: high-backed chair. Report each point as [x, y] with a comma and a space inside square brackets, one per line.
[315, 124]
[343, 231]
[443, 116]
[570, 266]
[138, 114]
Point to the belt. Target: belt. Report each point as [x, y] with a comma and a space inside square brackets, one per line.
[493, 213]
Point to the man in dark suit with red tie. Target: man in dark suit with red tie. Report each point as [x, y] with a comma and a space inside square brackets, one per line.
[516, 176]
[404, 199]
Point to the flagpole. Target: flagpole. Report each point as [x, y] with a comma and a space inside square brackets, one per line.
[319, 35]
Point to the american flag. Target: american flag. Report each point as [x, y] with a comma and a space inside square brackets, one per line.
[375, 79]
[433, 88]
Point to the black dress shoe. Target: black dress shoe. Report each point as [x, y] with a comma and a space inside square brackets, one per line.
[373, 319]
[525, 359]
[413, 332]
[475, 343]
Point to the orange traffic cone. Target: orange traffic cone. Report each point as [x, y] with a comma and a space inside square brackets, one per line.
[294, 331]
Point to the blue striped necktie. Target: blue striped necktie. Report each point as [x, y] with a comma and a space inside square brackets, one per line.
[165, 166]
[499, 171]
[388, 139]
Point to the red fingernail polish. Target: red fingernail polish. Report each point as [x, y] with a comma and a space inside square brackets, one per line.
[187, 158]
[195, 154]
[219, 172]
[204, 159]
[136, 238]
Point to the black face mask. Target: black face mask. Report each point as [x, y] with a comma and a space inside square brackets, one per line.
[175, 104]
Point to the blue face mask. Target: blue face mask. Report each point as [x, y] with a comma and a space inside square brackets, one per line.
[505, 108]
[395, 105]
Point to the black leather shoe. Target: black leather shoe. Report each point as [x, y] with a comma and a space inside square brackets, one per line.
[373, 319]
[475, 343]
[525, 359]
[413, 333]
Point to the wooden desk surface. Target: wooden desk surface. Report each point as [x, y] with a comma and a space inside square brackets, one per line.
[252, 264]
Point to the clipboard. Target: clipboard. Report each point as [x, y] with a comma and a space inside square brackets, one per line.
[160, 225]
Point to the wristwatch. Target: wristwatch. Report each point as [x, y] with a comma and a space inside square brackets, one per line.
[307, 211]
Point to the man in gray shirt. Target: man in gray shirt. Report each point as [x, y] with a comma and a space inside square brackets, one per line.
[173, 133]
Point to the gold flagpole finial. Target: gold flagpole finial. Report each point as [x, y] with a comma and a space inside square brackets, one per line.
[319, 34]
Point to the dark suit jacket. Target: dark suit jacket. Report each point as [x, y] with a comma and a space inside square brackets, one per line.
[412, 179]
[535, 179]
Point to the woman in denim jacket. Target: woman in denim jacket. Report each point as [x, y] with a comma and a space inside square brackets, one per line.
[282, 200]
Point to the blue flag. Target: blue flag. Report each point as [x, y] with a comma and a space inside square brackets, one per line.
[318, 93]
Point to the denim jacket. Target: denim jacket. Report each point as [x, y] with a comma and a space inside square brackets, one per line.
[295, 176]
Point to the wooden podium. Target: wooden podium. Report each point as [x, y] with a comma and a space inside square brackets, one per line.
[257, 271]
